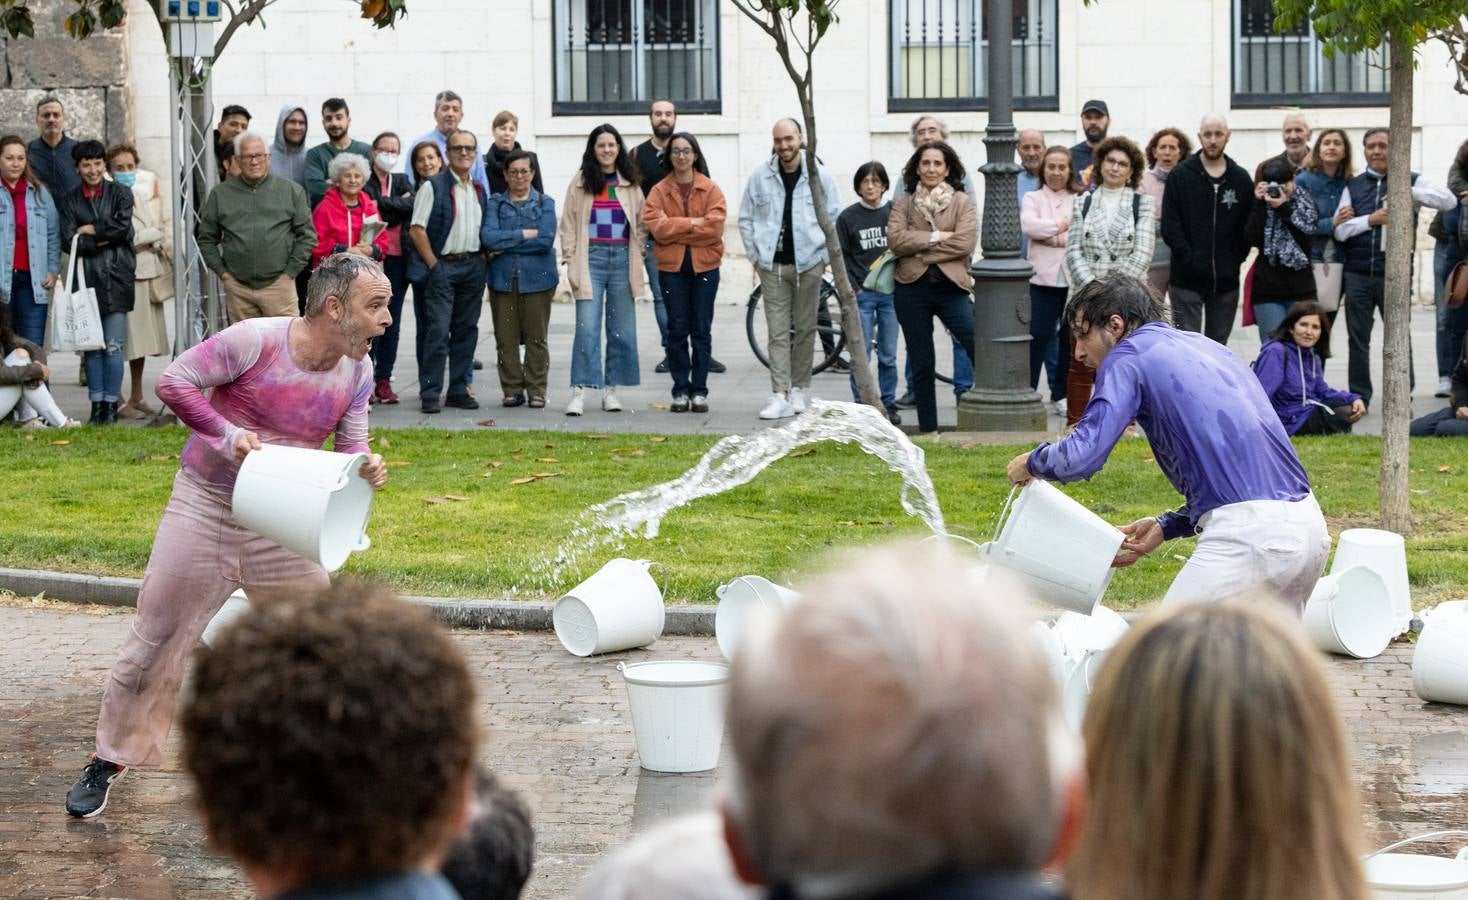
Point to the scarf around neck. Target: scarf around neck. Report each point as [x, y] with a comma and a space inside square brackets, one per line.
[1160, 173]
[932, 202]
[1280, 246]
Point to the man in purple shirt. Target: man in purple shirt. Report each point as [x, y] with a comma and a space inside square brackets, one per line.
[1215, 437]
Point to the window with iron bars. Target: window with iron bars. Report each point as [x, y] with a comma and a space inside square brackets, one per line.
[1289, 68]
[617, 56]
[939, 53]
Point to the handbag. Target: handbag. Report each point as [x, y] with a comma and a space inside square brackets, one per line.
[1328, 284]
[1455, 292]
[1248, 293]
[882, 275]
[76, 323]
[160, 288]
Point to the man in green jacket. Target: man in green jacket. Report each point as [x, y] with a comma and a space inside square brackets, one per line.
[337, 120]
[255, 232]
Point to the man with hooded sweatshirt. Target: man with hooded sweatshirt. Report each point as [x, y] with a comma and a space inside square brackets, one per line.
[1205, 218]
[288, 152]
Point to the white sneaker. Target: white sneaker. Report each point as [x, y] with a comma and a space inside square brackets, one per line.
[1060, 408]
[1444, 387]
[777, 408]
[577, 403]
[797, 400]
[609, 401]
[699, 404]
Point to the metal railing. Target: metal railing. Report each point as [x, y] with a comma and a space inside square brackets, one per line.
[616, 56]
[1290, 68]
[939, 55]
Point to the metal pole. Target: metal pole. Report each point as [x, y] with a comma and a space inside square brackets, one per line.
[1001, 398]
[197, 312]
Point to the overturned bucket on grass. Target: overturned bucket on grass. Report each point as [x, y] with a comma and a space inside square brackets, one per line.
[1385, 553]
[742, 602]
[310, 501]
[618, 608]
[677, 713]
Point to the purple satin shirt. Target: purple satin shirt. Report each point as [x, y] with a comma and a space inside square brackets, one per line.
[1212, 429]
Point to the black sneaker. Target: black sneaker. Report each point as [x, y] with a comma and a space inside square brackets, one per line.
[716, 367]
[432, 407]
[662, 367]
[893, 416]
[478, 366]
[464, 402]
[907, 401]
[89, 795]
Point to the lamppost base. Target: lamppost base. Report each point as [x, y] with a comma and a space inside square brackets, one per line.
[988, 410]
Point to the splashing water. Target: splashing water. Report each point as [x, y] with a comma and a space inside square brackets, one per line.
[736, 460]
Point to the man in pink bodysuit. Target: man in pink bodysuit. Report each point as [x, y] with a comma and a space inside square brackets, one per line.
[288, 381]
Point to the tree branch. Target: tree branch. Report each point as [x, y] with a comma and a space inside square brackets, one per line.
[247, 15]
[1455, 39]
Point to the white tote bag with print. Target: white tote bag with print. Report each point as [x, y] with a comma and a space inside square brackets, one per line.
[76, 323]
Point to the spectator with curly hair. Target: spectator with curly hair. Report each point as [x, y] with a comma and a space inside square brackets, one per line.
[1167, 148]
[331, 740]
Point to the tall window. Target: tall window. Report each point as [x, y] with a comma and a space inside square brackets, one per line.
[1273, 68]
[616, 56]
[939, 55]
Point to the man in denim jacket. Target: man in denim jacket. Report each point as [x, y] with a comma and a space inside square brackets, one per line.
[784, 241]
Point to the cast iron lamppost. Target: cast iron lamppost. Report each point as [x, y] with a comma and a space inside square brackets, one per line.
[1001, 398]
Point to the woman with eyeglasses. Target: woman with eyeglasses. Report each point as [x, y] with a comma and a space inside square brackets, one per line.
[519, 232]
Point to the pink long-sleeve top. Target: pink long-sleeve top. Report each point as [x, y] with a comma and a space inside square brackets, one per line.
[244, 379]
[1045, 214]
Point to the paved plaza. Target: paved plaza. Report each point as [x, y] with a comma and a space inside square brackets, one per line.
[559, 731]
[734, 397]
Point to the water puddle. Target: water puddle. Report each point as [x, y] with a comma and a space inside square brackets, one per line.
[735, 461]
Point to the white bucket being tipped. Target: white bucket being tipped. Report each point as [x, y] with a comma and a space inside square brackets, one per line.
[741, 602]
[1384, 552]
[237, 605]
[619, 607]
[1350, 613]
[1440, 661]
[310, 501]
[677, 713]
[1412, 876]
[1059, 549]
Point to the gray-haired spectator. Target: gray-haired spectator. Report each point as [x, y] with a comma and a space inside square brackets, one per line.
[255, 232]
[346, 219]
[50, 154]
[889, 749]
[493, 858]
[336, 119]
[448, 113]
[927, 128]
[680, 859]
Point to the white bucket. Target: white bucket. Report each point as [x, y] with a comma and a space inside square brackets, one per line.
[677, 713]
[619, 607]
[1061, 550]
[1045, 637]
[1440, 662]
[1076, 693]
[1385, 552]
[1085, 641]
[741, 602]
[309, 501]
[1411, 876]
[237, 605]
[1350, 613]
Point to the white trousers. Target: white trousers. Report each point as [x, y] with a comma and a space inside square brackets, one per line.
[28, 402]
[1270, 547]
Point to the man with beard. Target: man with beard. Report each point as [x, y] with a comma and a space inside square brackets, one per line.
[1205, 216]
[1295, 132]
[232, 123]
[287, 381]
[1095, 120]
[336, 119]
[784, 241]
[288, 152]
[50, 154]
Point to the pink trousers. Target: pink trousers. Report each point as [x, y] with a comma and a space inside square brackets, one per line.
[200, 556]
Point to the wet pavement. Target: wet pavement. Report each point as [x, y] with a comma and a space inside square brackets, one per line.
[559, 732]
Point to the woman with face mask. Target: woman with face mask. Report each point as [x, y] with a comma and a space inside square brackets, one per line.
[390, 190]
[147, 326]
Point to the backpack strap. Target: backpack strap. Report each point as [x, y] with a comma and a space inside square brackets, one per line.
[1136, 207]
[1086, 206]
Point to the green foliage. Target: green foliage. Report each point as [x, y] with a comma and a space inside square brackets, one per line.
[1350, 26]
[822, 13]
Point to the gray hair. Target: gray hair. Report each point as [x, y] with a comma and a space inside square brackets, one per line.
[343, 161]
[48, 100]
[680, 859]
[447, 97]
[334, 278]
[245, 137]
[894, 722]
[912, 129]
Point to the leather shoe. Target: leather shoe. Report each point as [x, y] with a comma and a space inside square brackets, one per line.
[716, 367]
[478, 366]
[907, 401]
[464, 402]
[431, 407]
[662, 367]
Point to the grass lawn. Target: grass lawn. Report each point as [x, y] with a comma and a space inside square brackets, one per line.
[92, 505]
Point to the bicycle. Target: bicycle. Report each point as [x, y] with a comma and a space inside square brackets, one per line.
[833, 340]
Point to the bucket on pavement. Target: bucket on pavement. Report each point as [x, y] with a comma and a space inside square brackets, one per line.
[1440, 661]
[741, 602]
[1350, 613]
[309, 501]
[677, 713]
[619, 607]
[1412, 876]
[237, 605]
[1384, 552]
[1059, 549]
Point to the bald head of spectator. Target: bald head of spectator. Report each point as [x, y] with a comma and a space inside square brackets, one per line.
[895, 731]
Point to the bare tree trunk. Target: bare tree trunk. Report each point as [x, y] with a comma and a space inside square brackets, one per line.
[1396, 406]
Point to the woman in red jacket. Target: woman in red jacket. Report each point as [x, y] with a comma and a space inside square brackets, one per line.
[346, 219]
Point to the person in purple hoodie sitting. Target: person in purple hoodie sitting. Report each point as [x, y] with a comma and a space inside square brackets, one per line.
[1213, 433]
[1291, 369]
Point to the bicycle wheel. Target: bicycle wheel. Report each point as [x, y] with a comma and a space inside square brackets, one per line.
[828, 331]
